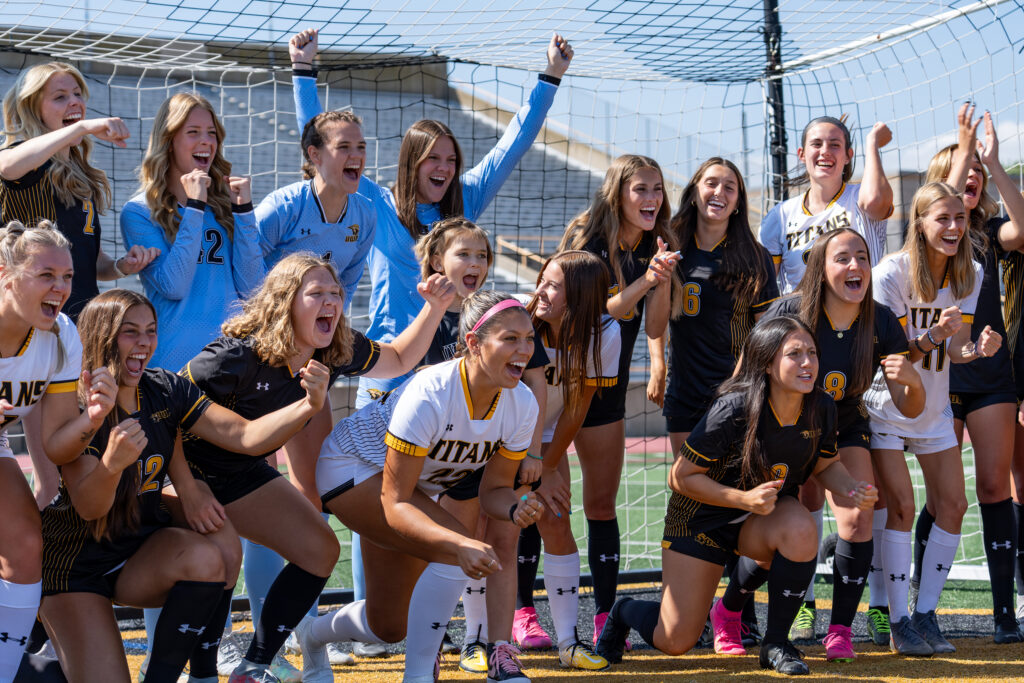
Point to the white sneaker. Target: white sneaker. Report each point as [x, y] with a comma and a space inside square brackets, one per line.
[291, 646]
[231, 650]
[285, 671]
[338, 656]
[316, 665]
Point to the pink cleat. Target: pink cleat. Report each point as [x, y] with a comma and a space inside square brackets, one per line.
[527, 631]
[726, 626]
[599, 620]
[839, 644]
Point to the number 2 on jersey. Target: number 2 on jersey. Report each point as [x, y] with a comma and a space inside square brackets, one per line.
[213, 253]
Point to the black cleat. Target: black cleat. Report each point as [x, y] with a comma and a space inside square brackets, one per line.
[784, 658]
[1007, 630]
[751, 632]
[612, 641]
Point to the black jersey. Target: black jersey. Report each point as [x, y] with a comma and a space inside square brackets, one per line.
[633, 261]
[231, 374]
[717, 442]
[995, 374]
[706, 340]
[1013, 312]
[835, 350]
[32, 198]
[166, 403]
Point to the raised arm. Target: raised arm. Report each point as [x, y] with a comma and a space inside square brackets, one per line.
[967, 131]
[875, 197]
[247, 266]
[1011, 232]
[302, 49]
[18, 161]
[407, 350]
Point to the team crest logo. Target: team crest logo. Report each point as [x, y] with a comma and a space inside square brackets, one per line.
[354, 229]
[779, 471]
[810, 433]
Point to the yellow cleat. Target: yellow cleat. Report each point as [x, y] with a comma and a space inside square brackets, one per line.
[474, 658]
[579, 655]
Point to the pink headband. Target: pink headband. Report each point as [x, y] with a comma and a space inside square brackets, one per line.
[496, 309]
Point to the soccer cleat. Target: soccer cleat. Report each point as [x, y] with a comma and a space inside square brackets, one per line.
[803, 625]
[839, 644]
[750, 632]
[784, 658]
[915, 589]
[505, 665]
[878, 625]
[447, 646]
[905, 640]
[285, 671]
[474, 658]
[707, 636]
[231, 651]
[291, 645]
[527, 632]
[316, 666]
[247, 672]
[579, 655]
[335, 655]
[928, 626]
[599, 620]
[611, 642]
[369, 650]
[1007, 630]
[727, 628]
[186, 678]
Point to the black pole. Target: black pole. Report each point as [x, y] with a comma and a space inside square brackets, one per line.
[776, 112]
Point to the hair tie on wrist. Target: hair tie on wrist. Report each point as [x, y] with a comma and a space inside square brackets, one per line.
[535, 457]
[931, 338]
[496, 309]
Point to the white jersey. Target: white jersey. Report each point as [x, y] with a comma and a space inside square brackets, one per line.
[790, 229]
[47, 363]
[611, 345]
[892, 288]
[430, 416]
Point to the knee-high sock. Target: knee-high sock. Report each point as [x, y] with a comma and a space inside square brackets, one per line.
[358, 578]
[922, 529]
[849, 573]
[999, 529]
[37, 638]
[603, 555]
[876, 577]
[19, 603]
[819, 524]
[562, 580]
[433, 601]
[1018, 570]
[474, 603]
[746, 578]
[36, 669]
[203, 662]
[896, 565]
[288, 600]
[526, 565]
[347, 623]
[641, 616]
[262, 565]
[787, 582]
[938, 560]
[184, 618]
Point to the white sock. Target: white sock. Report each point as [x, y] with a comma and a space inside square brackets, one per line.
[819, 523]
[474, 603]
[347, 623]
[876, 577]
[935, 565]
[896, 565]
[432, 604]
[562, 581]
[19, 603]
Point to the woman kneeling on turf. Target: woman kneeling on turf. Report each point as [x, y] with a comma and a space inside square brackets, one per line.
[107, 537]
[379, 467]
[735, 488]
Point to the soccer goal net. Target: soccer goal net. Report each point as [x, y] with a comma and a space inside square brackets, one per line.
[678, 81]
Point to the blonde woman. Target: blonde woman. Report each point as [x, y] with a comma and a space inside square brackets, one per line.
[201, 218]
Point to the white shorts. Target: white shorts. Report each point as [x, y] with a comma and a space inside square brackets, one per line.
[915, 444]
[337, 472]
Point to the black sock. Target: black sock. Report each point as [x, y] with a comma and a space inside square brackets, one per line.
[849, 575]
[787, 584]
[290, 596]
[37, 638]
[1018, 513]
[203, 662]
[997, 524]
[746, 578]
[36, 669]
[642, 616]
[526, 565]
[185, 615]
[603, 555]
[921, 531]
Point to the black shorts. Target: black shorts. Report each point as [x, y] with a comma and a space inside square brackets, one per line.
[95, 566]
[854, 428]
[227, 487]
[716, 545]
[964, 403]
[468, 488]
[608, 404]
[680, 417]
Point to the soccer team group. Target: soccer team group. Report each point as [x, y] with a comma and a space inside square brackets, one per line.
[801, 365]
